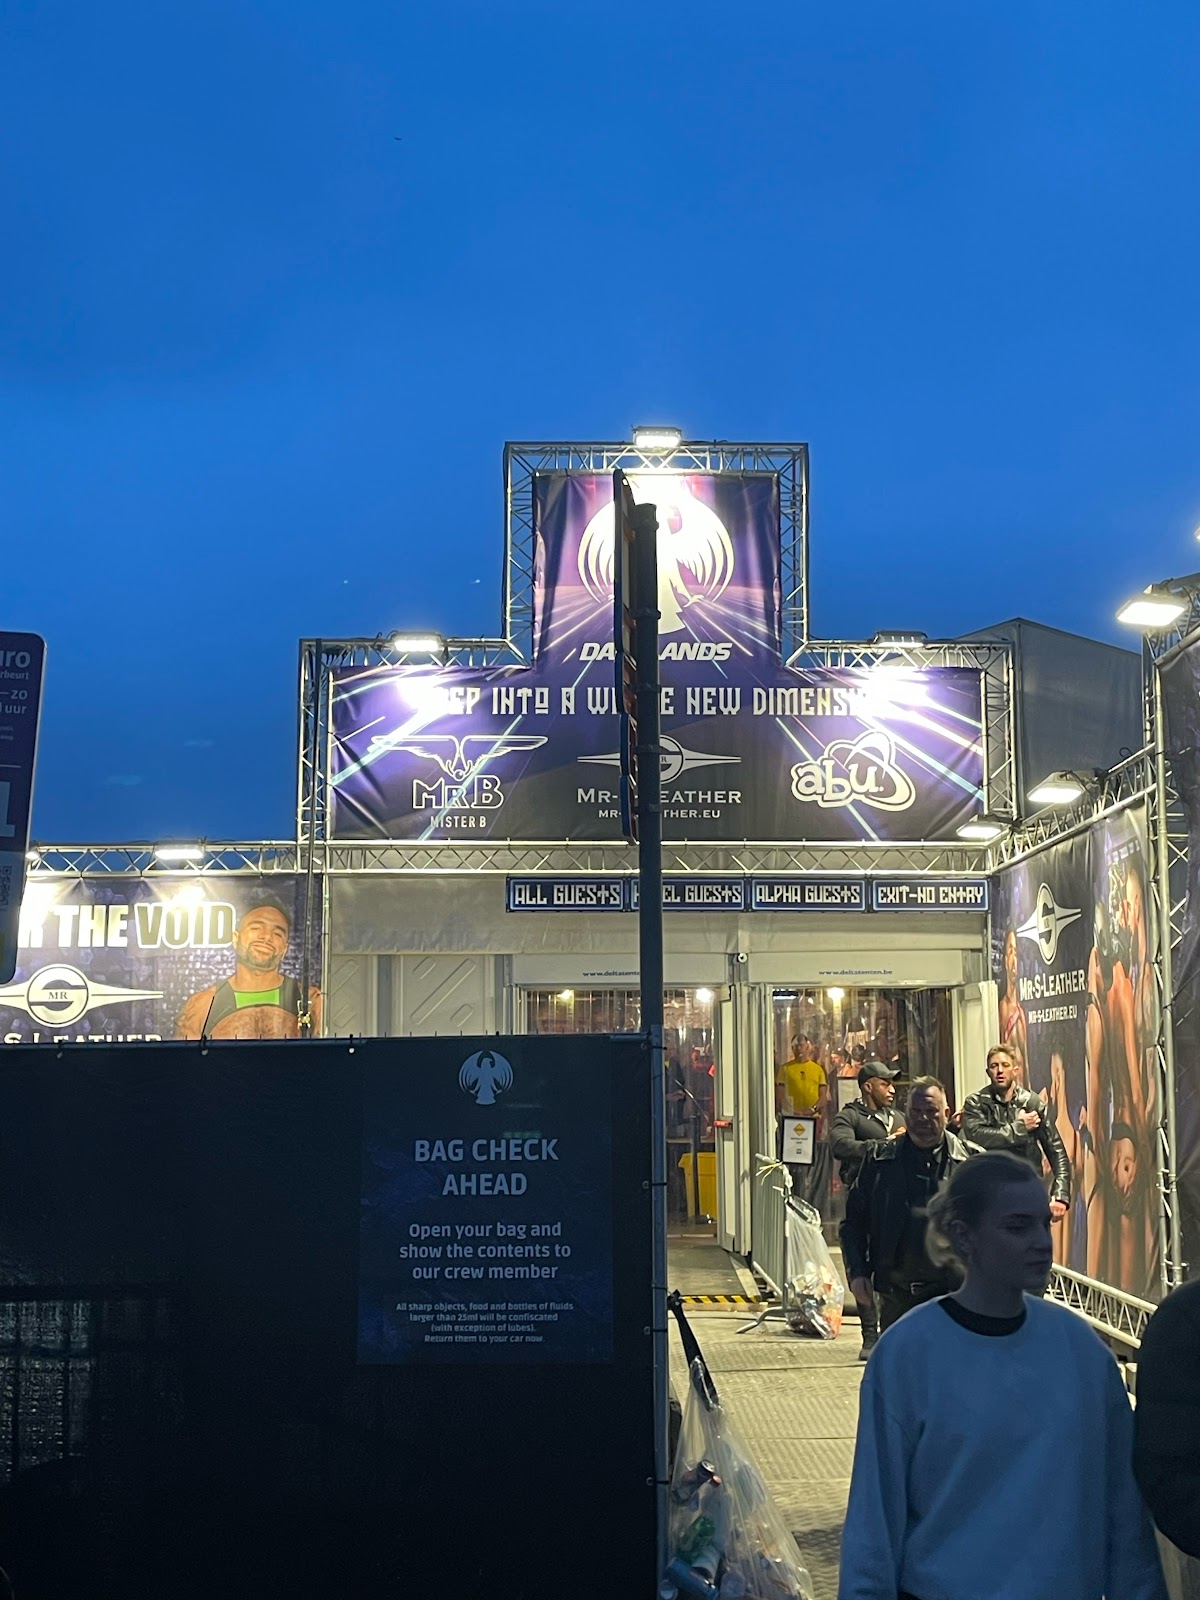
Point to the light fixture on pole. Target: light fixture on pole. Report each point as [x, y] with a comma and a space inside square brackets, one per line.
[656, 440]
[1058, 789]
[420, 644]
[1155, 609]
[174, 854]
[983, 830]
[899, 636]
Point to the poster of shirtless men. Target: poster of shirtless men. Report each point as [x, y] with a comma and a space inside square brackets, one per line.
[1073, 958]
[167, 956]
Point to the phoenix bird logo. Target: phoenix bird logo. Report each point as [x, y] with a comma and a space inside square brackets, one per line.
[1045, 926]
[454, 753]
[485, 1075]
[695, 552]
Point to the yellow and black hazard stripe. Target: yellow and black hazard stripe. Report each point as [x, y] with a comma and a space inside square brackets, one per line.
[723, 1300]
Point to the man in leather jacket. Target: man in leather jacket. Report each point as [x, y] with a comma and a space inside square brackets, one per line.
[883, 1236]
[1006, 1117]
[864, 1121]
[859, 1125]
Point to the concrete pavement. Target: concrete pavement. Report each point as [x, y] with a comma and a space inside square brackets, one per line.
[793, 1398]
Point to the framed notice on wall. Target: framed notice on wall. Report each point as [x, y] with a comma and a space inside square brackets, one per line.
[799, 1137]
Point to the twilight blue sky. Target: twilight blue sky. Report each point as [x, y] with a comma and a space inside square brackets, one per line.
[258, 359]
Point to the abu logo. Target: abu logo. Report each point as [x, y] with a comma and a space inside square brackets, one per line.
[863, 771]
[1044, 928]
[59, 995]
[677, 650]
[486, 1075]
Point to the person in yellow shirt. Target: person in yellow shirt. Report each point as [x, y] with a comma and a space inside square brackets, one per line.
[802, 1090]
[801, 1084]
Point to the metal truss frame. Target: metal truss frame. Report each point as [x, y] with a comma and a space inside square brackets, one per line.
[740, 860]
[995, 663]
[318, 657]
[1171, 838]
[523, 461]
[1131, 780]
[399, 857]
[140, 861]
[1119, 1317]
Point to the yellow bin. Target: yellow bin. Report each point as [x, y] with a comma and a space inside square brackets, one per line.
[708, 1183]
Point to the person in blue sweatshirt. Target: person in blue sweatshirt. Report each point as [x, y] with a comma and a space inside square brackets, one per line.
[995, 1437]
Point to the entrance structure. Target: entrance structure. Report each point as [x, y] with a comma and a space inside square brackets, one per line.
[457, 865]
[456, 800]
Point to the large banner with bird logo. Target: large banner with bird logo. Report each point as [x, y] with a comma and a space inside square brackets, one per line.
[752, 748]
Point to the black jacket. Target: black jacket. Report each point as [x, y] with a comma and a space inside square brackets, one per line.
[990, 1122]
[877, 1212]
[855, 1128]
[1166, 1447]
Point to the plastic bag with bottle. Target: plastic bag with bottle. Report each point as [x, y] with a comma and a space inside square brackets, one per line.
[813, 1293]
[726, 1537]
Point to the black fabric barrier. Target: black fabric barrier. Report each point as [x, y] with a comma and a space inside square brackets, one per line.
[189, 1403]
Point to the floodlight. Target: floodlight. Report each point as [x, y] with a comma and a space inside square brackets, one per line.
[704, 996]
[836, 995]
[565, 994]
[33, 857]
[982, 830]
[168, 853]
[658, 441]
[1154, 609]
[1059, 789]
[420, 644]
[899, 636]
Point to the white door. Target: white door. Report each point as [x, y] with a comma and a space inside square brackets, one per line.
[725, 1119]
[975, 1031]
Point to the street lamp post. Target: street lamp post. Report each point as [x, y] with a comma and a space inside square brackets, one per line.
[1167, 613]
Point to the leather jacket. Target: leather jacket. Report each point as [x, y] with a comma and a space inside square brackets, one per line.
[877, 1212]
[989, 1121]
[854, 1129]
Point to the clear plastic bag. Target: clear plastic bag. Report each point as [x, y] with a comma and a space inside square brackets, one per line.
[814, 1292]
[727, 1540]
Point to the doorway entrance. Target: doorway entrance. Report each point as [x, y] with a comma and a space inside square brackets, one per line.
[691, 1050]
[822, 1038]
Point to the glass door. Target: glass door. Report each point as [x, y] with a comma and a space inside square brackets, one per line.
[690, 1045]
[822, 1040]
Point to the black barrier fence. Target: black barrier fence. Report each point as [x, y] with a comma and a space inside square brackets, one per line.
[314, 1318]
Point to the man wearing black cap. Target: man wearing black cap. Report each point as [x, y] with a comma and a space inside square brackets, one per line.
[857, 1126]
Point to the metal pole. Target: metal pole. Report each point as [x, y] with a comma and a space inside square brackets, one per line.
[317, 683]
[697, 1216]
[650, 966]
[1172, 1274]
